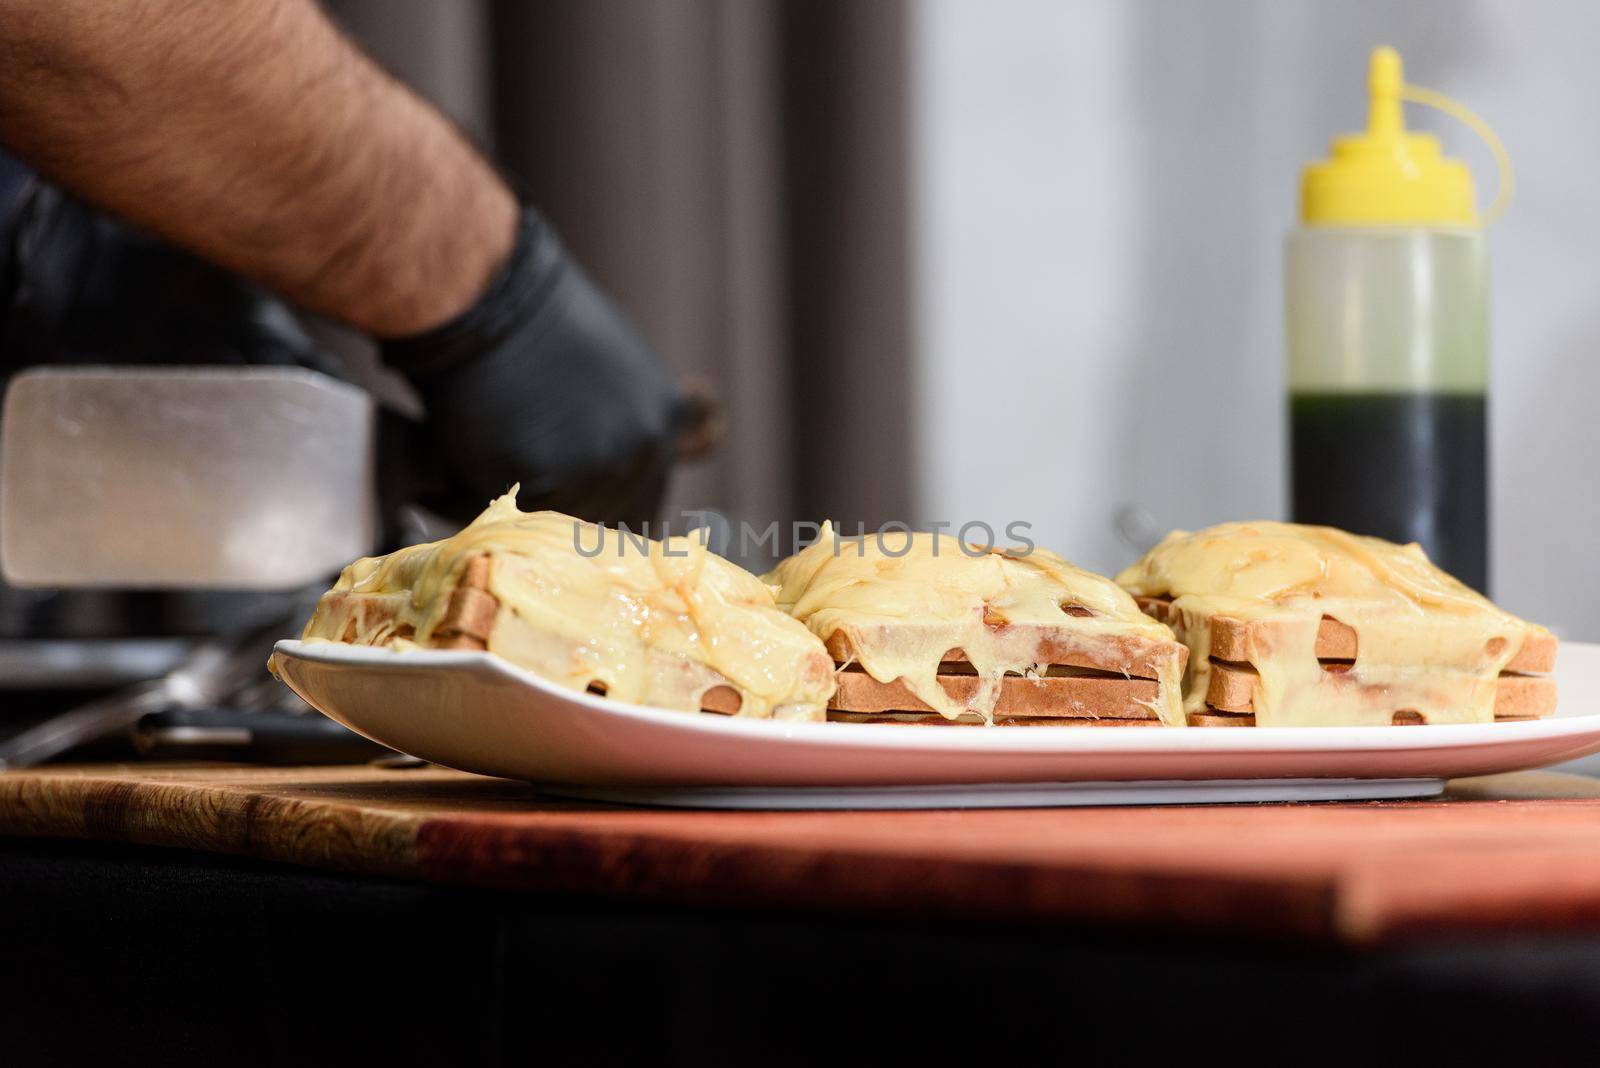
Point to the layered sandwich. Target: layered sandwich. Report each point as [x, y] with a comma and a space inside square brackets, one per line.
[1291, 625]
[662, 623]
[927, 629]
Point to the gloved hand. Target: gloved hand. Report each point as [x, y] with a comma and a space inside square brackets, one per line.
[542, 382]
[545, 382]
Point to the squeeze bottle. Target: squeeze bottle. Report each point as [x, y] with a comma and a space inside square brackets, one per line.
[1388, 362]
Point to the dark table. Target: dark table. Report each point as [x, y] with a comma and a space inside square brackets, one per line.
[542, 930]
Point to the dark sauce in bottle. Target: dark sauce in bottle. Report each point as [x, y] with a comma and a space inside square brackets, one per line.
[1402, 466]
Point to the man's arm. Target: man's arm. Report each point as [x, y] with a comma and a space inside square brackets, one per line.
[252, 133]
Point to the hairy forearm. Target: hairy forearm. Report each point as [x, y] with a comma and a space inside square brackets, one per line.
[252, 133]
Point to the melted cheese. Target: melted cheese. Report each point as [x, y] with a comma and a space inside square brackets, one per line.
[904, 613]
[657, 623]
[1424, 641]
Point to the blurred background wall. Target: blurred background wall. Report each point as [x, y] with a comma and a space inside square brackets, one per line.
[1021, 259]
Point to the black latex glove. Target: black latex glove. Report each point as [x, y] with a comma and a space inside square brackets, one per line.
[545, 382]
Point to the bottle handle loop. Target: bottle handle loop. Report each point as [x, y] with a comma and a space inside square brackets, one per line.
[1414, 94]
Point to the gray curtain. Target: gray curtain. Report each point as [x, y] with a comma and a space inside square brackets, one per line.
[735, 172]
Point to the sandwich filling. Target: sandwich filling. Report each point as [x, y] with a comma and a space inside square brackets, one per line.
[651, 622]
[905, 613]
[1425, 643]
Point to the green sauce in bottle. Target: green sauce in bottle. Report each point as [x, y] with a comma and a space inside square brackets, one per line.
[1402, 466]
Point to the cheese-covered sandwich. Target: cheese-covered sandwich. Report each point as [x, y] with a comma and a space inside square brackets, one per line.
[929, 629]
[1291, 625]
[659, 623]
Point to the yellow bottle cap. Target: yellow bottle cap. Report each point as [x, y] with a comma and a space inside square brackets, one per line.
[1387, 176]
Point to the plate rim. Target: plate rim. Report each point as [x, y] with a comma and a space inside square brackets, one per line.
[1035, 740]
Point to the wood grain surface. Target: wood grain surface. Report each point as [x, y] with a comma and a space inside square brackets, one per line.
[1505, 852]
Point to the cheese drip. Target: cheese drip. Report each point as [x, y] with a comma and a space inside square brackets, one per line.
[904, 613]
[657, 623]
[1424, 641]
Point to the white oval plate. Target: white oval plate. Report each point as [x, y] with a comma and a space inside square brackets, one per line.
[479, 713]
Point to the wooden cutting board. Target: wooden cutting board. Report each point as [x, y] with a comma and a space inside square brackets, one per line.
[1504, 852]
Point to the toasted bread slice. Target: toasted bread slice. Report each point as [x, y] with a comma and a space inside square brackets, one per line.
[1131, 656]
[1212, 718]
[1231, 688]
[1077, 696]
[972, 719]
[1231, 640]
